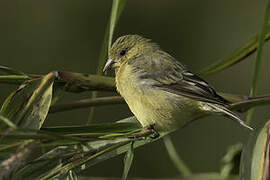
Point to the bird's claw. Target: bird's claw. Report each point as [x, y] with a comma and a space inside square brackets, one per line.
[147, 131]
[151, 128]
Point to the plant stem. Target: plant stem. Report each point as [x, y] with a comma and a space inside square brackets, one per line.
[117, 8]
[87, 103]
[237, 56]
[258, 63]
[176, 159]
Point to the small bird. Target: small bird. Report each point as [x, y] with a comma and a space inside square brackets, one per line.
[161, 92]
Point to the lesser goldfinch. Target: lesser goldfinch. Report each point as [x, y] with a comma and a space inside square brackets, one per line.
[161, 92]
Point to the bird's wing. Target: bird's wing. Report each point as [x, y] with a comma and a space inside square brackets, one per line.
[173, 77]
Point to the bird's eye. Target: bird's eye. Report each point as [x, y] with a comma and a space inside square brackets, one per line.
[123, 52]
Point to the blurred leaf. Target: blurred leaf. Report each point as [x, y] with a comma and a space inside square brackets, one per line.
[93, 152]
[237, 56]
[88, 157]
[70, 157]
[7, 149]
[200, 176]
[28, 106]
[46, 163]
[8, 122]
[176, 159]
[264, 31]
[117, 8]
[57, 94]
[231, 160]
[10, 71]
[208, 176]
[70, 175]
[255, 158]
[128, 161]
[263, 35]
[112, 148]
[16, 160]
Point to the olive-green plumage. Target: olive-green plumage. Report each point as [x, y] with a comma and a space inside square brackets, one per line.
[157, 88]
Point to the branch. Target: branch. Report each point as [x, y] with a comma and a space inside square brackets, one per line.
[246, 104]
[77, 82]
[70, 81]
[87, 103]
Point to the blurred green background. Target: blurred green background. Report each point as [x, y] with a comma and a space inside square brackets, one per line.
[41, 36]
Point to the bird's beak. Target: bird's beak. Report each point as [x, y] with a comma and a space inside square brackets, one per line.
[108, 65]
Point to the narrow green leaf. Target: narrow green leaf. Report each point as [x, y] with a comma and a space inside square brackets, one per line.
[96, 128]
[128, 161]
[255, 159]
[117, 8]
[43, 136]
[6, 150]
[74, 134]
[57, 95]
[10, 71]
[175, 158]
[265, 29]
[231, 160]
[13, 79]
[46, 163]
[28, 106]
[237, 56]
[8, 122]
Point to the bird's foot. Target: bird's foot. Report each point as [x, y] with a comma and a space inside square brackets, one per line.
[147, 131]
[155, 133]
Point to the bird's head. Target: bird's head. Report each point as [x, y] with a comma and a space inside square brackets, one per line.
[126, 48]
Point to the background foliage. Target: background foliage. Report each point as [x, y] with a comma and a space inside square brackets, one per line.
[41, 36]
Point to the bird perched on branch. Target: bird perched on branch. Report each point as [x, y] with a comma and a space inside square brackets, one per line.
[161, 92]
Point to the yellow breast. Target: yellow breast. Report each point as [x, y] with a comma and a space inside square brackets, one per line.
[152, 106]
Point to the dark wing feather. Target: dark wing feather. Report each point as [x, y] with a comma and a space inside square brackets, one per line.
[193, 87]
[169, 75]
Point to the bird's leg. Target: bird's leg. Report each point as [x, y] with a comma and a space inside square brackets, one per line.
[145, 132]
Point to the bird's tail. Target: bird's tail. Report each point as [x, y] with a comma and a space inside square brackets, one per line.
[227, 113]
